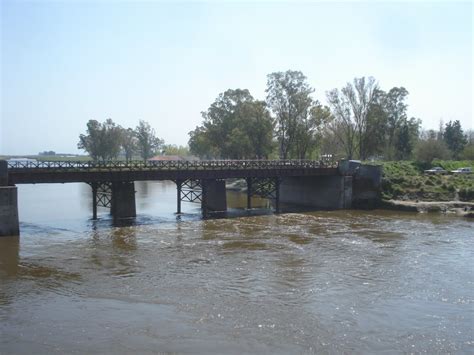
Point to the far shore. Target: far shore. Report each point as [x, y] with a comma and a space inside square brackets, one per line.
[459, 208]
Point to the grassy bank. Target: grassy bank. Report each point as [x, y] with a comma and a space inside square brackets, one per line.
[406, 180]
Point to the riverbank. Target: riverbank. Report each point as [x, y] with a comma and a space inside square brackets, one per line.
[458, 208]
[406, 181]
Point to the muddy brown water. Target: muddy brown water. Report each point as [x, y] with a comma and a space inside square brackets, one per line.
[252, 282]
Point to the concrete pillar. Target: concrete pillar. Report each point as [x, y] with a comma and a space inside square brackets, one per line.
[213, 196]
[123, 200]
[9, 223]
[3, 173]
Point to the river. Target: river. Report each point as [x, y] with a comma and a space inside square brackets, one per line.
[253, 282]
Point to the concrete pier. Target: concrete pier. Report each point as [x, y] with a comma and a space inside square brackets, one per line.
[214, 197]
[123, 200]
[9, 223]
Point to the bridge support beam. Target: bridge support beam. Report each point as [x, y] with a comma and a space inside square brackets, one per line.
[9, 223]
[213, 196]
[123, 200]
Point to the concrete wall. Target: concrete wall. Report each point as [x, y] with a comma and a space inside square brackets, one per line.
[366, 188]
[320, 192]
[9, 224]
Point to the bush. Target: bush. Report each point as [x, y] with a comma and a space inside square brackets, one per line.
[466, 194]
[427, 151]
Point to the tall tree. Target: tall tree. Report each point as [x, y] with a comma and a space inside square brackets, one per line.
[343, 127]
[235, 126]
[394, 106]
[102, 140]
[289, 98]
[147, 142]
[454, 138]
[351, 108]
[406, 137]
[129, 143]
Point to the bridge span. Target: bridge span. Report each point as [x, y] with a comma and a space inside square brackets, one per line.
[301, 182]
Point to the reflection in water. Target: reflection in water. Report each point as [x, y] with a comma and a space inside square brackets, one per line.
[315, 282]
[9, 256]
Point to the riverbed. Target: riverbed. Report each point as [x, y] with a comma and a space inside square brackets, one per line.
[248, 282]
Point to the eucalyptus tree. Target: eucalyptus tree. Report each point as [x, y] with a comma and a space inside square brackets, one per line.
[351, 106]
[148, 143]
[102, 140]
[235, 126]
[289, 98]
[129, 143]
[454, 138]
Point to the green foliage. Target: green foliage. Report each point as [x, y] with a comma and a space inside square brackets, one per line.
[147, 142]
[406, 180]
[468, 152]
[172, 149]
[298, 116]
[454, 138]
[102, 140]
[427, 150]
[235, 127]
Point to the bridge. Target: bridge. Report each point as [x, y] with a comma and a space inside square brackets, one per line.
[304, 182]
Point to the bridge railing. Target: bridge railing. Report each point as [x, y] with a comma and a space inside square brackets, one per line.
[166, 165]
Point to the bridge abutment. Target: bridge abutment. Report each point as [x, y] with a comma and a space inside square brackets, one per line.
[123, 200]
[321, 192]
[9, 222]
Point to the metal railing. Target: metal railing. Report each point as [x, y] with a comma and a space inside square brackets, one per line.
[78, 166]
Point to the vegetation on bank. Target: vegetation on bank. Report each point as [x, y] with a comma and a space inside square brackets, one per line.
[406, 180]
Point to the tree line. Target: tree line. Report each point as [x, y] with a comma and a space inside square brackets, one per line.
[361, 121]
[107, 140]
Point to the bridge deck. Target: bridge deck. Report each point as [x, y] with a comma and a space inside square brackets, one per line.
[29, 172]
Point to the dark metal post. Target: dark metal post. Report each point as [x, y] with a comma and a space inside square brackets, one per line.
[249, 193]
[94, 200]
[178, 192]
[277, 195]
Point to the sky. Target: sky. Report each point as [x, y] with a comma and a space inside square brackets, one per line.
[66, 62]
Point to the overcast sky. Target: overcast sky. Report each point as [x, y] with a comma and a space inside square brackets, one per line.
[65, 62]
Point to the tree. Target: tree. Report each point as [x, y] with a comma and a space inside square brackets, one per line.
[394, 107]
[454, 138]
[289, 98]
[406, 137]
[129, 143]
[173, 149]
[147, 142]
[351, 107]
[427, 150]
[235, 126]
[343, 126]
[102, 140]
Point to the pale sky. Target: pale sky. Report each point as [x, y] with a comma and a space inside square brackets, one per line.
[65, 62]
